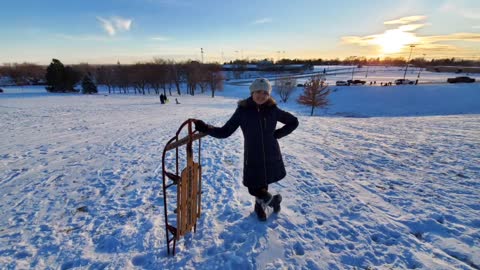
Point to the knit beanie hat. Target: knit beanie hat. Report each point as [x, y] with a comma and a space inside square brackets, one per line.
[261, 84]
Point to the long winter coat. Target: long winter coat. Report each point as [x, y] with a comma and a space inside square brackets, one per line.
[263, 162]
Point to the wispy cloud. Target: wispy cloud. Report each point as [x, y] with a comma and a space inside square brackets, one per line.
[394, 41]
[82, 37]
[115, 24]
[161, 38]
[407, 20]
[472, 37]
[459, 7]
[410, 27]
[262, 21]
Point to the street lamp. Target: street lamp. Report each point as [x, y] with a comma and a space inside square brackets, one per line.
[353, 65]
[420, 69]
[406, 66]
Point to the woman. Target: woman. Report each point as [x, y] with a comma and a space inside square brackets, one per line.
[257, 116]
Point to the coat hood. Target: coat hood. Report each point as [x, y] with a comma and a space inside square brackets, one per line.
[248, 102]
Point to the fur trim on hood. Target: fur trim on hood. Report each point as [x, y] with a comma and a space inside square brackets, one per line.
[248, 102]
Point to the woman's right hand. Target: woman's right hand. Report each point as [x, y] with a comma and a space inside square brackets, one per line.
[200, 126]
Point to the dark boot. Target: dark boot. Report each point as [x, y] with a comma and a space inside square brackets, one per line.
[275, 203]
[262, 216]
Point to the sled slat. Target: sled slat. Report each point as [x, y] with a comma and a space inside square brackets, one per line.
[184, 141]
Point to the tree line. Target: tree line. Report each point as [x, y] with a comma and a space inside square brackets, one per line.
[121, 77]
[354, 60]
[141, 78]
[161, 76]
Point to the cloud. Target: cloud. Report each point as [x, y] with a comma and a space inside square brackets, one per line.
[122, 24]
[410, 27]
[115, 24]
[472, 37]
[262, 21]
[458, 7]
[476, 27]
[160, 38]
[82, 37]
[407, 20]
[397, 40]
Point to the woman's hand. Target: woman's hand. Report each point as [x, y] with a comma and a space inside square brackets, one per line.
[200, 126]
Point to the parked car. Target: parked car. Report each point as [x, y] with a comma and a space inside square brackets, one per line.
[341, 83]
[356, 82]
[462, 79]
[403, 81]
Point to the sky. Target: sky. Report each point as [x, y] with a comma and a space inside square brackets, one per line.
[130, 31]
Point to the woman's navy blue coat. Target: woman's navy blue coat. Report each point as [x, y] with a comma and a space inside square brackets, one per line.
[263, 163]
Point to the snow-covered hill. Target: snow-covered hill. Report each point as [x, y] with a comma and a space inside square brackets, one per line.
[80, 183]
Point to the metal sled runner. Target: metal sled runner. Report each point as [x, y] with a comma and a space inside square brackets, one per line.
[188, 185]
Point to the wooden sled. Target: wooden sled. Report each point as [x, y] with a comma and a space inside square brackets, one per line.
[188, 185]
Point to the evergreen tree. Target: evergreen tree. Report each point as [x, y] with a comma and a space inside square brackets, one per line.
[71, 78]
[60, 78]
[88, 87]
[54, 76]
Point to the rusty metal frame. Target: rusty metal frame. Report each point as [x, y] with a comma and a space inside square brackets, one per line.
[173, 233]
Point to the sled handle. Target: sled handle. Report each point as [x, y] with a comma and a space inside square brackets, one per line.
[185, 140]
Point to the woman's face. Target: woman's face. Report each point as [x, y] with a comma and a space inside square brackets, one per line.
[260, 97]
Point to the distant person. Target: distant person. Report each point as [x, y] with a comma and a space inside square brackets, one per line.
[257, 116]
[162, 99]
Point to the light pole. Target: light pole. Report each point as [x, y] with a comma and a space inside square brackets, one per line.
[353, 66]
[420, 70]
[406, 66]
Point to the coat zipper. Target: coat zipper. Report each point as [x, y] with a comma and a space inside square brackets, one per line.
[263, 145]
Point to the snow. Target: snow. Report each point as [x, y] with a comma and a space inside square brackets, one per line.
[394, 184]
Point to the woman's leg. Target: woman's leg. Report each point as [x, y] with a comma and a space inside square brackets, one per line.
[261, 193]
[264, 197]
[261, 197]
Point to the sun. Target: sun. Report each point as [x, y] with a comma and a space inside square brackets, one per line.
[392, 41]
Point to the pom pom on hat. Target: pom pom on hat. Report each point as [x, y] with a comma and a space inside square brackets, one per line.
[261, 84]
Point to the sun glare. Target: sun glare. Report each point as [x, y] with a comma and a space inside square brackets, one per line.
[392, 41]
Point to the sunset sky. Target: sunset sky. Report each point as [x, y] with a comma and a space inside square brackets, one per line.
[129, 31]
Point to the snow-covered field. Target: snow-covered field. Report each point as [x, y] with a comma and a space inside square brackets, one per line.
[370, 74]
[394, 185]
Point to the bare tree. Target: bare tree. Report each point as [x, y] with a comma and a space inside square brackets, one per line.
[192, 75]
[203, 78]
[215, 78]
[106, 75]
[315, 93]
[175, 74]
[140, 73]
[123, 79]
[284, 87]
[24, 73]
